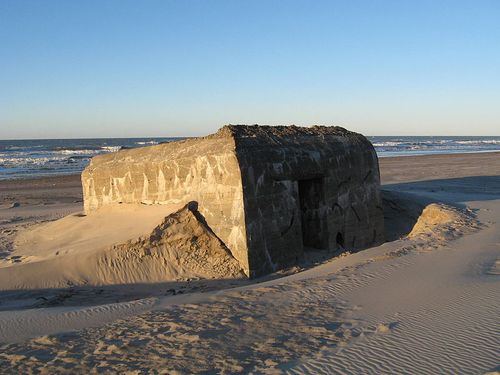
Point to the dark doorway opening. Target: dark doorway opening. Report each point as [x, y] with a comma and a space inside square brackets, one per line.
[314, 227]
[340, 240]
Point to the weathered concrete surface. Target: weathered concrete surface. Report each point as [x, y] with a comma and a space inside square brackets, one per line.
[268, 193]
[204, 170]
[307, 188]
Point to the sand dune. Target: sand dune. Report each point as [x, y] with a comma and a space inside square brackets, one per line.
[441, 222]
[181, 247]
[125, 245]
[80, 233]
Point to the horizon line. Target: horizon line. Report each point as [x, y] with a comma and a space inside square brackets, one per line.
[199, 136]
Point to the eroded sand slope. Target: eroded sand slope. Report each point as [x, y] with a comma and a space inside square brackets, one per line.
[117, 245]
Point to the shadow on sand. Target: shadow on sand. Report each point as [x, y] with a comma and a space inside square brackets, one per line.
[403, 203]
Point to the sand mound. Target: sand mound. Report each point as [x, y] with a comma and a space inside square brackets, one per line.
[182, 246]
[434, 216]
[74, 252]
[415, 217]
[79, 233]
[443, 223]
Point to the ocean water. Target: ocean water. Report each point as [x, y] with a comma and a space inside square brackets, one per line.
[47, 157]
[419, 145]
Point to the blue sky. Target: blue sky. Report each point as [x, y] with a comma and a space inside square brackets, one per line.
[180, 68]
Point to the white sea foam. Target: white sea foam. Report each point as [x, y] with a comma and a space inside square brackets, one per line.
[78, 152]
[395, 146]
[387, 144]
[111, 148]
[479, 142]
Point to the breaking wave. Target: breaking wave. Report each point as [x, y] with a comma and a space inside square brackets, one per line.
[397, 146]
[33, 158]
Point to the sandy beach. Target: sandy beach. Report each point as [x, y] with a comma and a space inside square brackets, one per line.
[424, 302]
[250, 187]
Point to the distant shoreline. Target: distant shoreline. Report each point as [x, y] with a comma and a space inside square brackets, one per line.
[434, 153]
[451, 158]
[24, 159]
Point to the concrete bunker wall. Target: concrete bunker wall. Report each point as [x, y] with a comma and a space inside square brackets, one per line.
[308, 192]
[204, 170]
[269, 193]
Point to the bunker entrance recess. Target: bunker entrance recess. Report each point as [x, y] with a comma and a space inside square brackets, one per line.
[312, 216]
